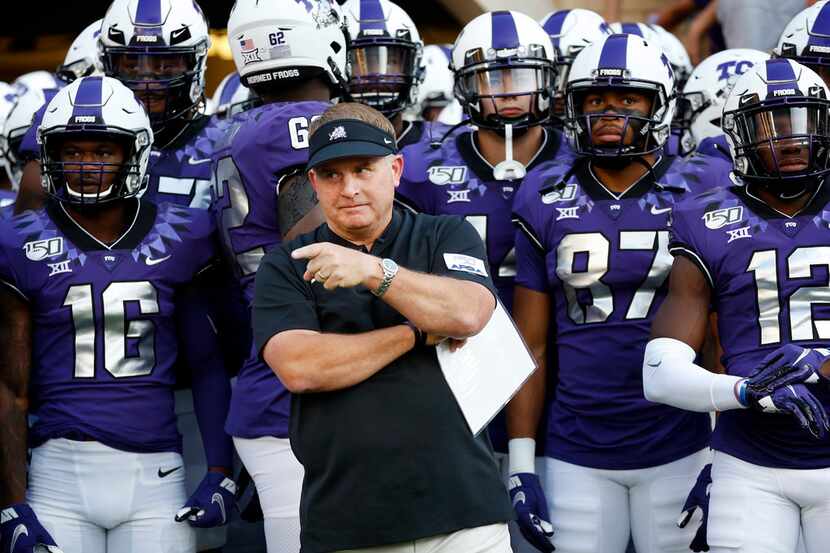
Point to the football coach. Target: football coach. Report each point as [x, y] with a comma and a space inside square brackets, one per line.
[347, 316]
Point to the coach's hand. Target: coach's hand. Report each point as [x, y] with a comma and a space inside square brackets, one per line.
[789, 364]
[211, 503]
[21, 531]
[335, 266]
[698, 499]
[531, 510]
[794, 400]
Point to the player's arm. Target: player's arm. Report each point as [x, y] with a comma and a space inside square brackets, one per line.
[15, 362]
[31, 194]
[298, 211]
[678, 331]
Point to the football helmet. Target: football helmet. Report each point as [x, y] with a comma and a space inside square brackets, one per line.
[570, 31]
[40, 80]
[806, 39]
[275, 43]
[670, 44]
[700, 104]
[82, 57]
[501, 57]
[230, 97]
[95, 108]
[385, 55]
[436, 90]
[158, 48]
[15, 126]
[776, 124]
[622, 61]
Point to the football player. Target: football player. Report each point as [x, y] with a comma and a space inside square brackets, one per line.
[436, 101]
[230, 97]
[92, 288]
[755, 252]
[803, 39]
[385, 54]
[82, 59]
[570, 31]
[592, 256]
[504, 66]
[293, 56]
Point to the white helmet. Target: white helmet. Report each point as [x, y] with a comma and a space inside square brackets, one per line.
[7, 99]
[806, 39]
[385, 55]
[40, 80]
[158, 48]
[100, 108]
[285, 41]
[82, 57]
[17, 123]
[504, 54]
[671, 46]
[436, 90]
[570, 31]
[621, 61]
[776, 123]
[700, 105]
[230, 97]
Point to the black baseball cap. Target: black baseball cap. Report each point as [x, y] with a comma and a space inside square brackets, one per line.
[348, 138]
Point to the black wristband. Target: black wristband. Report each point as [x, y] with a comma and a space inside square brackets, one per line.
[420, 335]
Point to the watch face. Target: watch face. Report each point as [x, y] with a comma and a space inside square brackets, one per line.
[389, 266]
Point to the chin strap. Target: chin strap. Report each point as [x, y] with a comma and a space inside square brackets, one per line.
[509, 169]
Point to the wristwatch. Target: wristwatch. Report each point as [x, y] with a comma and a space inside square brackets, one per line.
[390, 269]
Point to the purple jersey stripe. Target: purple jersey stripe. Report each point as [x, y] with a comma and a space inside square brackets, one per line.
[553, 26]
[371, 15]
[614, 52]
[88, 100]
[148, 12]
[504, 31]
[632, 29]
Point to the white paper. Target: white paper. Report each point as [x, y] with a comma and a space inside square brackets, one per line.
[488, 371]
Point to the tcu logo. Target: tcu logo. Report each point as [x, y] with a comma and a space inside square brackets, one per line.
[740, 67]
[722, 217]
[41, 249]
[441, 175]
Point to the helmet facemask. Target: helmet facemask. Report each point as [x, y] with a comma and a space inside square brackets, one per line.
[782, 144]
[113, 174]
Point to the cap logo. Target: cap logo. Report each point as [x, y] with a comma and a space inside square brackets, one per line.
[337, 134]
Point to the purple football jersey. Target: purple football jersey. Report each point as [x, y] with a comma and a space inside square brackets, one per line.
[455, 179]
[104, 333]
[768, 274]
[603, 258]
[715, 146]
[261, 146]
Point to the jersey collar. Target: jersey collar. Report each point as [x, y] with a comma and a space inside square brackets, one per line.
[820, 199]
[143, 220]
[466, 143]
[598, 191]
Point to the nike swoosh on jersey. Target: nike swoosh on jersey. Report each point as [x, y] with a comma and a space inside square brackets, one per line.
[217, 498]
[163, 473]
[150, 262]
[192, 161]
[20, 530]
[655, 211]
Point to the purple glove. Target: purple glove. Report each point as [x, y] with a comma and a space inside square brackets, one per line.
[21, 532]
[210, 504]
[531, 510]
[789, 364]
[794, 400]
[698, 499]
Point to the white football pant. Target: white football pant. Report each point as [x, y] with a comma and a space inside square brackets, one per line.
[96, 499]
[278, 477]
[595, 510]
[755, 509]
[493, 538]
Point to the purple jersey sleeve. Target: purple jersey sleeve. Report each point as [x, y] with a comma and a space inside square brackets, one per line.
[530, 264]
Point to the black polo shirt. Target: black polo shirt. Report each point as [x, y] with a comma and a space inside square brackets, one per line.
[391, 459]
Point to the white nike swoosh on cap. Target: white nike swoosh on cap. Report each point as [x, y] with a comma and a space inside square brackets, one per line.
[387, 141]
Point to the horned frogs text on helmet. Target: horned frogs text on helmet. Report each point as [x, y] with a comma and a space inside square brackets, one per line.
[700, 105]
[670, 44]
[275, 43]
[504, 57]
[95, 108]
[158, 48]
[230, 97]
[623, 61]
[385, 55]
[82, 57]
[570, 31]
[806, 39]
[776, 125]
